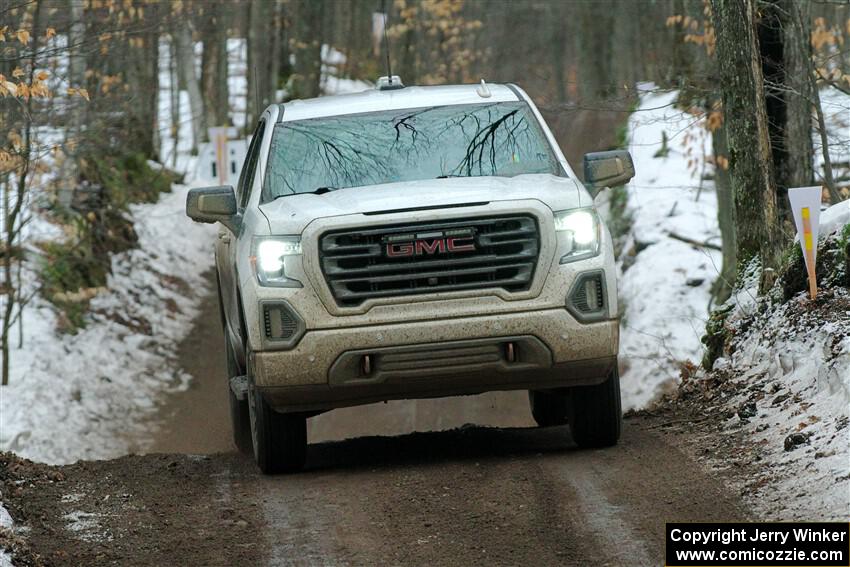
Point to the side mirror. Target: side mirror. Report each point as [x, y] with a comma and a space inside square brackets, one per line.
[213, 204]
[607, 169]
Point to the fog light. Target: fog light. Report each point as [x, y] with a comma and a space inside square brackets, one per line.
[591, 292]
[282, 327]
[586, 300]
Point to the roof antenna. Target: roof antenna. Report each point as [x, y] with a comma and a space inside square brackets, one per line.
[390, 82]
[387, 42]
[483, 90]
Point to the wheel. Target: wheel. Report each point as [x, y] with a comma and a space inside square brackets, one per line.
[240, 420]
[596, 414]
[549, 408]
[279, 439]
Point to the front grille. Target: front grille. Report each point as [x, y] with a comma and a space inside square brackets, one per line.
[358, 266]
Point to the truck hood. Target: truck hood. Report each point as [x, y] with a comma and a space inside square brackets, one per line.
[291, 214]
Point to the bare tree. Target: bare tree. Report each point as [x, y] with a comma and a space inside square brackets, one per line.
[750, 157]
[259, 34]
[182, 37]
[17, 164]
[214, 19]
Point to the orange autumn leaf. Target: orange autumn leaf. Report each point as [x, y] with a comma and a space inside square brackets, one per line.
[83, 93]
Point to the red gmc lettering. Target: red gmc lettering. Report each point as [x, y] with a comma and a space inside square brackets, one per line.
[455, 246]
[434, 246]
[395, 250]
[441, 245]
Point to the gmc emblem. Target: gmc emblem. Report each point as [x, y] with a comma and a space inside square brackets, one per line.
[406, 245]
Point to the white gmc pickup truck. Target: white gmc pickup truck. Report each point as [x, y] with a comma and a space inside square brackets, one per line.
[413, 242]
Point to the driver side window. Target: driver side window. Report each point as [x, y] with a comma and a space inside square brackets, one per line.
[246, 178]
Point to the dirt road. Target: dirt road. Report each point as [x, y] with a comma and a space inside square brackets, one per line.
[407, 483]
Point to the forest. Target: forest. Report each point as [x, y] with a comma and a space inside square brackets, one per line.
[82, 86]
[108, 111]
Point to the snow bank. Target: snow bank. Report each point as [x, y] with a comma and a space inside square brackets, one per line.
[787, 370]
[834, 218]
[5, 522]
[665, 284]
[84, 396]
[784, 384]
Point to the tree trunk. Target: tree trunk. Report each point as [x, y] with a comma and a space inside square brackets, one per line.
[151, 78]
[139, 61]
[558, 53]
[594, 49]
[801, 17]
[186, 69]
[308, 51]
[723, 285]
[76, 79]
[276, 39]
[750, 156]
[214, 63]
[798, 129]
[174, 92]
[259, 43]
[13, 208]
[770, 21]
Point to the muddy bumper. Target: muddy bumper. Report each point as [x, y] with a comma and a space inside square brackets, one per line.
[351, 366]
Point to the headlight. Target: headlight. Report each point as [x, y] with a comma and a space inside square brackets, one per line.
[270, 258]
[579, 229]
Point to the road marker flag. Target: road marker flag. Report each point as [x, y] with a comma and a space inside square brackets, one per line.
[218, 138]
[805, 205]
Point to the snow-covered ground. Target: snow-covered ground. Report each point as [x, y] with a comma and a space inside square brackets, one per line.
[87, 395]
[83, 395]
[91, 395]
[789, 367]
[665, 284]
[787, 376]
[7, 524]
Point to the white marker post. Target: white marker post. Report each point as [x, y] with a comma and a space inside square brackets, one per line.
[805, 206]
[218, 138]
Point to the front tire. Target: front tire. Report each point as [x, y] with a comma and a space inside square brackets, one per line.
[279, 439]
[240, 420]
[596, 415]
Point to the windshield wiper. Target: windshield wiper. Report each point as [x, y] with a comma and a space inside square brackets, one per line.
[450, 175]
[316, 191]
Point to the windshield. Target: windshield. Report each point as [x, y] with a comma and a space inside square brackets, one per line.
[322, 154]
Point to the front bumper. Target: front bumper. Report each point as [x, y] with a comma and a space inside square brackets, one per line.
[548, 349]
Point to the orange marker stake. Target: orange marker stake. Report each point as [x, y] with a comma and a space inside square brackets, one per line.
[221, 156]
[808, 248]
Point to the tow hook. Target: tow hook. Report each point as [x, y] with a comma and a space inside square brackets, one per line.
[366, 365]
[510, 352]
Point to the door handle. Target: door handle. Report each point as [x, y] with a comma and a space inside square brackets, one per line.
[224, 238]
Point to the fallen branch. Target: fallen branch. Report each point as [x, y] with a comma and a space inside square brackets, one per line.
[693, 242]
